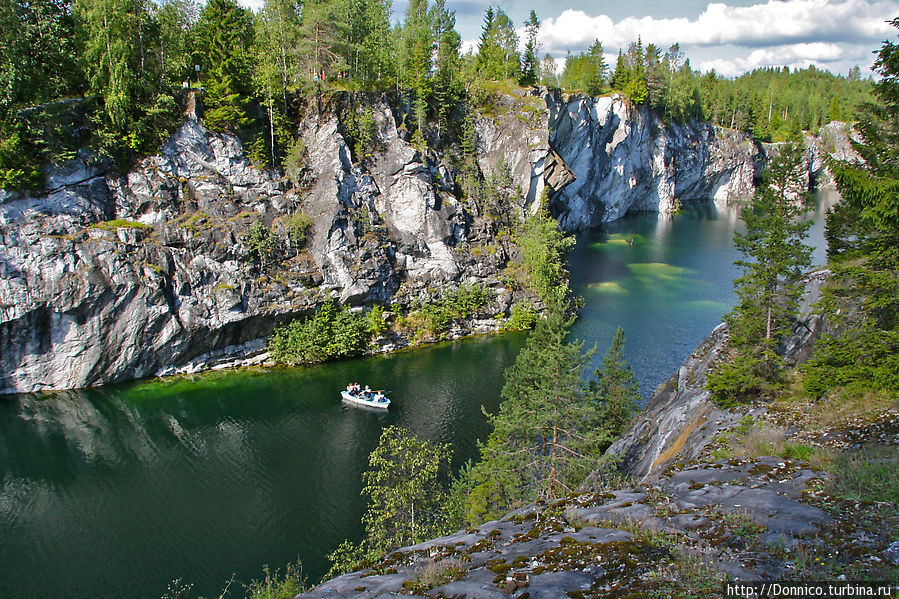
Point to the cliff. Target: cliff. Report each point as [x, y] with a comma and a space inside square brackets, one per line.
[107, 277]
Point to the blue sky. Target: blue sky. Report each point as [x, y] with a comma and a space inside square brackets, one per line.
[731, 37]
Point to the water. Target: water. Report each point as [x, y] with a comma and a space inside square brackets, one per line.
[113, 492]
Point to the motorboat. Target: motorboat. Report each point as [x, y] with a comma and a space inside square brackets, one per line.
[371, 399]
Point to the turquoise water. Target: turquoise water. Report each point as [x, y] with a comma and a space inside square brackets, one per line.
[114, 492]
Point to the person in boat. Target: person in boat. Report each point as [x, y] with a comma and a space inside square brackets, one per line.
[367, 391]
[379, 397]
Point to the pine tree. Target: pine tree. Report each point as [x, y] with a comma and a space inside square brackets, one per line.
[323, 37]
[530, 66]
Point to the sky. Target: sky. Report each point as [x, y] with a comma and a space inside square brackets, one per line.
[730, 37]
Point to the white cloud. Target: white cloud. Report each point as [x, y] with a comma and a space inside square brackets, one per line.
[820, 54]
[773, 23]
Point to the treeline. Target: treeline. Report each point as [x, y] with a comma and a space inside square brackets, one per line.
[775, 104]
[131, 58]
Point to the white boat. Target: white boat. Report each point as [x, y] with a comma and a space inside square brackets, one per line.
[372, 400]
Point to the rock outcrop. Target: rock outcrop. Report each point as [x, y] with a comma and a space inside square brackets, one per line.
[106, 278]
[680, 420]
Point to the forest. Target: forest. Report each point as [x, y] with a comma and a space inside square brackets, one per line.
[130, 60]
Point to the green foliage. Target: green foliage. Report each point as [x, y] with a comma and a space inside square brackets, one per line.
[860, 360]
[298, 225]
[586, 71]
[223, 37]
[333, 332]
[552, 427]
[435, 315]
[616, 384]
[261, 243]
[377, 320]
[746, 377]
[275, 585]
[294, 161]
[530, 66]
[360, 130]
[542, 248]
[774, 257]
[19, 169]
[497, 56]
[404, 486]
[862, 232]
[522, 317]
[37, 53]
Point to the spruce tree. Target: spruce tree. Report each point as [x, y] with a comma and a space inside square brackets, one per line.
[617, 387]
[447, 88]
[550, 431]
[224, 35]
[418, 51]
[774, 257]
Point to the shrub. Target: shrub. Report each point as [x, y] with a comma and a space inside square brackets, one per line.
[275, 586]
[261, 243]
[435, 315]
[298, 226]
[522, 318]
[333, 332]
[739, 381]
[865, 360]
[294, 161]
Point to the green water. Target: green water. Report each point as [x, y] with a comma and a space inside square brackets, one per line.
[114, 492]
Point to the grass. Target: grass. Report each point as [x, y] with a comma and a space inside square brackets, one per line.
[434, 574]
[867, 474]
[120, 223]
[274, 585]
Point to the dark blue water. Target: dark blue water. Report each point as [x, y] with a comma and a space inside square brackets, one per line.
[114, 492]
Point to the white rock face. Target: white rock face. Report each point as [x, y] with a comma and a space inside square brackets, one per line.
[625, 159]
